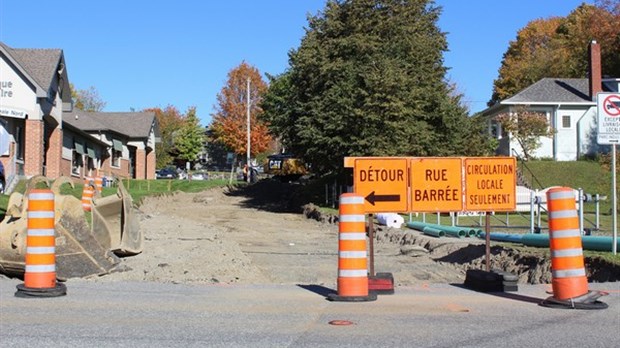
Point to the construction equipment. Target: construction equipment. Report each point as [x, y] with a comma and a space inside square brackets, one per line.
[115, 225]
[80, 250]
[285, 167]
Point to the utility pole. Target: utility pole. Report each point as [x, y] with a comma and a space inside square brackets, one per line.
[248, 132]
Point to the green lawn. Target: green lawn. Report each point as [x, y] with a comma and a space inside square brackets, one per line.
[137, 188]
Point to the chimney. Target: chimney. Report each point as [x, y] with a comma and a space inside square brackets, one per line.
[595, 82]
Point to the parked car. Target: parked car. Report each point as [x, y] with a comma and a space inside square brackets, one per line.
[2, 179]
[166, 173]
[200, 176]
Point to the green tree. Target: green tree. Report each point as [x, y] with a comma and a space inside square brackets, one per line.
[557, 47]
[190, 138]
[526, 127]
[368, 80]
[87, 99]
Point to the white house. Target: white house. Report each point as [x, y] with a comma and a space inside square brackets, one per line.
[570, 108]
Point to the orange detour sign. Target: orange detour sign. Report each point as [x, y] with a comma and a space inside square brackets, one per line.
[436, 184]
[490, 184]
[383, 183]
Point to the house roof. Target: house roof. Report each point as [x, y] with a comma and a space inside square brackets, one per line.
[41, 65]
[553, 91]
[130, 124]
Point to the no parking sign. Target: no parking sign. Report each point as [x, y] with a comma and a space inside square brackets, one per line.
[608, 108]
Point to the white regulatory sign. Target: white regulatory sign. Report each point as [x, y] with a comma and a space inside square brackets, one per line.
[608, 109]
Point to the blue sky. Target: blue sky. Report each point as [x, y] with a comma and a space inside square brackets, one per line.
[141, 54]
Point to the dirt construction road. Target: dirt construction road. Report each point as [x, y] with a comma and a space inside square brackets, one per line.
[247, 236]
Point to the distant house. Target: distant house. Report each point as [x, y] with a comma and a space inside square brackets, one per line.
[41, 134]
[570, 108]
[127, 142]
[34, 92]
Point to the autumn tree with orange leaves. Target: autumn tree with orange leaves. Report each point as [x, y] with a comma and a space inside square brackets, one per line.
[558, 47]
[229, 125]
[169, 120]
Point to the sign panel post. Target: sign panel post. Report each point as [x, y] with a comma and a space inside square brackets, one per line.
[608, 107]
[490, 185]
[608, 110]
[383, 183]
[436, 184]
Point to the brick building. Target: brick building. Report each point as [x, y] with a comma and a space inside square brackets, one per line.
[41, 133]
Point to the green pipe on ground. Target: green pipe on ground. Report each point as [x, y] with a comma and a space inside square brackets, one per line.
[433, 232]
[594, 243]
[471, 232]
[448, 230]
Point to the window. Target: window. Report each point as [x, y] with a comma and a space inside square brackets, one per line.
[116, 158]
[19, 143]
[566, 121]
[117, 153]
[76, 163]
[78, 158]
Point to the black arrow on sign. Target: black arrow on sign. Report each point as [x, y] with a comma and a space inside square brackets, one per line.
[372, 198]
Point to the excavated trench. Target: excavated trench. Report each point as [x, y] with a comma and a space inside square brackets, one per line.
[532, 265]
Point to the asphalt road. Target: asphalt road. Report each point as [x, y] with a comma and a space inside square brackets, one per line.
[123, 314]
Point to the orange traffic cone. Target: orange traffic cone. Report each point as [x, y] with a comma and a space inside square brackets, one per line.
[87, 194]
[352, 255]
[98, 184]
[569, 281]
[40, 275]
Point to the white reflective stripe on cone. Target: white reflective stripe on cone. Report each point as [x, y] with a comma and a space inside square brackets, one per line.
[40, 250]
[41, 214]
[562, 214]
[352, 273]
[40, 196]
[561, 194]
[40, 268]
[352, 235]
[567, 273]
[564, 234]
[352, 254]
[567, 252]
[41, 232]
[352, 218]
[352, 200]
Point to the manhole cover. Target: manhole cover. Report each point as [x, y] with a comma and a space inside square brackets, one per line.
[340, 322]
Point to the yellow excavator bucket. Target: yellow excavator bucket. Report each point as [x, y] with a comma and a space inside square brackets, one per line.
[78, 252]
[115, 224]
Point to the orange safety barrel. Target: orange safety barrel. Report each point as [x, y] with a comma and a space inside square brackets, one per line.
[40, 274]
[567, 265]
[352, 254]
[40, 241]
[87, 194]
[99, 184]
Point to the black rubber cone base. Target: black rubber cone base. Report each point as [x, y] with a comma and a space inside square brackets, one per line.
[335, 297]
[587, 301]
[483, 281]
[59, 290]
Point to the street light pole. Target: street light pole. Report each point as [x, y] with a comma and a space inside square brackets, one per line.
[248, 132]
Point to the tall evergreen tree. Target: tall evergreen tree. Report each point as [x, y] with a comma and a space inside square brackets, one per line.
[368, 80]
